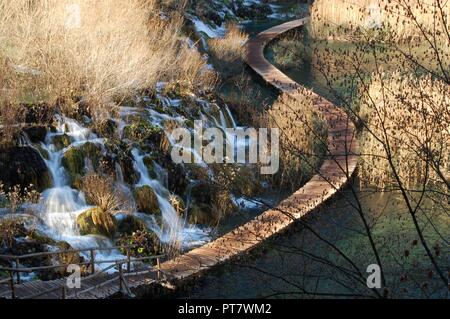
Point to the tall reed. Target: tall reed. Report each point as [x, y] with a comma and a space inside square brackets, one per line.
[408, 123]
[399, 20]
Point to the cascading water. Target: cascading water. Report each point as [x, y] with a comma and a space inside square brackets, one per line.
[173, 230]
[62, 204]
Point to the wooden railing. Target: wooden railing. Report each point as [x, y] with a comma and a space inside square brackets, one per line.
[123, 266]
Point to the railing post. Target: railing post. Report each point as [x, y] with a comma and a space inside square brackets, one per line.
[11, 283]
[92, 261]
[128, 260]
[64, 292]
[18, 272]
[158, 267]
[120, 277]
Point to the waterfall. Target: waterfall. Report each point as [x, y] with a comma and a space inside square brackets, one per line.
[173, 230]
[162, 175]
[119, 174]
[171, 222]
[61, 203]
[230, 116]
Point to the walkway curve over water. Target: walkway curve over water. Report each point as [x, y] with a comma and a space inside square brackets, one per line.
[335, 172]
[338, 167]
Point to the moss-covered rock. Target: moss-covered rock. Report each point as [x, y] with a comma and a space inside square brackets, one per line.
[61, 141]
[146, 200]
[74, 160]
[129, 224]
[96, 222]
[144, 242]
[210, 203]
[142, 131]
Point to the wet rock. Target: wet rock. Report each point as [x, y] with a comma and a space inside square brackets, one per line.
[149, 163]
[178, 180]
[36, 133]
[74, 160]
[129, 224]
[144, 242]
[202, 214]
[44, 153]
[96, 222]
[142, 131]
[146, 200]
[23, 166]
[119, 152]
[61, 141]
[129, 173]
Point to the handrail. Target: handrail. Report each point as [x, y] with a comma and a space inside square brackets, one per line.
[119, 262]
[68, 251]
[116, 263]
[32, 269]
[121, 277]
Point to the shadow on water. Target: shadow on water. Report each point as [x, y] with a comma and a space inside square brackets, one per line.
[296, 259]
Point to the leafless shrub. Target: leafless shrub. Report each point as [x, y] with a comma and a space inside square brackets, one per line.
[102, 191]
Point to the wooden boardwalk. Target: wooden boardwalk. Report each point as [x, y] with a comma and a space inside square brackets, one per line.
[101, 284]
[335, 172]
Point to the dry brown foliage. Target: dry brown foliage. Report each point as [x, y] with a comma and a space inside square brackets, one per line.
[408, 121]
[118, 48]
[102, 192]
[302, 138]
[401, 19]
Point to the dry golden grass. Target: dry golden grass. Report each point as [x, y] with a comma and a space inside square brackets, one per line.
[401, 19]
[118, 48]
[303, 138]
[229, 52]
[411, 121]
[102, 192]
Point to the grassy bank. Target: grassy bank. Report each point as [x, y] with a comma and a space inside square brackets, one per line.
[89, 52]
